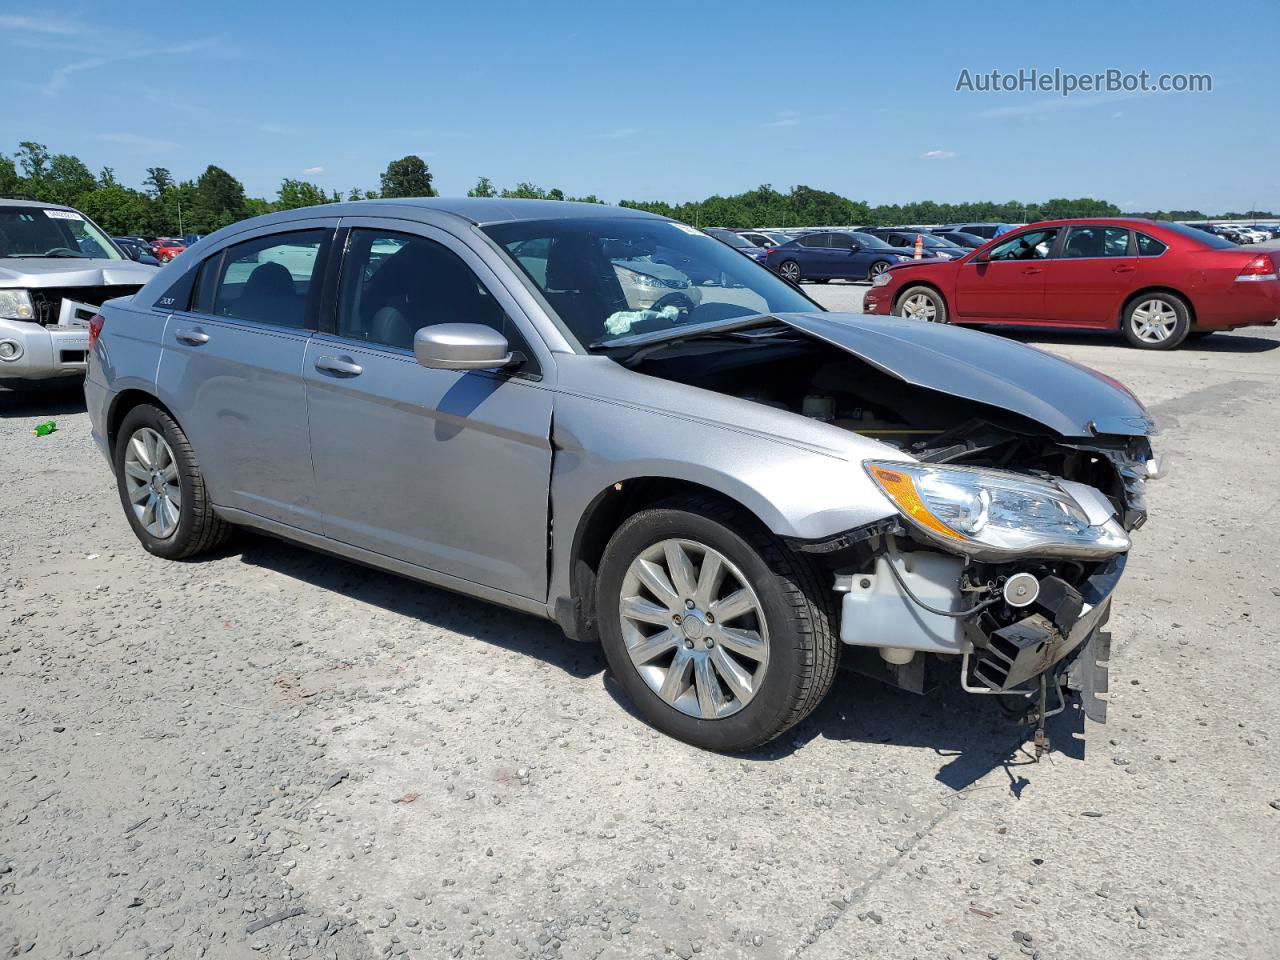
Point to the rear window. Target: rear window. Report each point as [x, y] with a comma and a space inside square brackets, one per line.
[1149, 246]
[1211, 240]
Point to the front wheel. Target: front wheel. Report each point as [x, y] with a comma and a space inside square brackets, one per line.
[922, 303]
[790, 270]
[877, 268]
[161, 487]
[1156, 321]
[718, 633]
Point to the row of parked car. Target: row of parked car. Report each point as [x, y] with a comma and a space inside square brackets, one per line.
[1158, 282]
[1240, 233]
[154, 251]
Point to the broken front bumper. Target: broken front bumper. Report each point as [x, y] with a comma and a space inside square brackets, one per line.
[55, 350]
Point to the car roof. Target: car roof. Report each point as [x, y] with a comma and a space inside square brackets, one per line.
[18, 202]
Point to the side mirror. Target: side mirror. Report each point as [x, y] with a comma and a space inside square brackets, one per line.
[854, 248]
[462, 346]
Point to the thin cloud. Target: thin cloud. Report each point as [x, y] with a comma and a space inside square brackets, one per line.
[139, 142]
[1040, 108]
[60, 79]
[622, 133]
[938, 155]
[62, 28]
[788, 118]
[312, 170]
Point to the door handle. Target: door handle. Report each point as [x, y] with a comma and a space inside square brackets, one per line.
[194, 337]
[1032, 271]
[340, 366]
[1122, 269]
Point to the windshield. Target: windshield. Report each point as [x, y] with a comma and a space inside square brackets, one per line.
[609, 278]
[36, 231]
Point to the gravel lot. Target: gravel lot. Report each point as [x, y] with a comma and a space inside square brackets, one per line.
[276, 753]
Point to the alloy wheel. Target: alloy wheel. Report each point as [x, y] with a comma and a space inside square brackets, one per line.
[1153, 321]
[152, 482]
[694, 629]
[920, 306]
[791, 270]
[878, 268]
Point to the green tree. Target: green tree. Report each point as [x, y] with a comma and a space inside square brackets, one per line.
[300, 193]
[108, 177]
[34, 160]
[10, 182]
[483, 188]
[218, 200]
[67, 180]
[407, 177]
[117, 209]
[526, 191]
[159, 181]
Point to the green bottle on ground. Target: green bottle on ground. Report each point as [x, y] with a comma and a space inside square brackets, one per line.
[44, 429]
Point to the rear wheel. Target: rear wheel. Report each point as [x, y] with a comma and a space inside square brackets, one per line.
[921, 303]
[877, 268]
[718, 634]
[161, 487]
[790, 270]
[1156, 321]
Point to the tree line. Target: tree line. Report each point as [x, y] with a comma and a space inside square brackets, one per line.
[165, 206]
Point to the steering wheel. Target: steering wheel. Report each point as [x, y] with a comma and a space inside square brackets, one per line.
[678, 300]
[57, 250]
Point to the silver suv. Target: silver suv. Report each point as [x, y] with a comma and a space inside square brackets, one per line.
[56, 268]
[733, 492]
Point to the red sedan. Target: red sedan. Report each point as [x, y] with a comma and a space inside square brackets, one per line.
[166, 249]
[1158, 282]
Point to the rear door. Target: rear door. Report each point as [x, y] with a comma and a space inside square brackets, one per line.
[445, 469]
[231, 368]
[814, 256]
[1093, 270]
[843, 260]
[1009, 282]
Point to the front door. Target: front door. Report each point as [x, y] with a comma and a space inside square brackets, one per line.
[1088, 279]
[1009, 283]
[444, 469]
[232, 363]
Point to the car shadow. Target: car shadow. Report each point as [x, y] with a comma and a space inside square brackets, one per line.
[510, 629]
[1216, 343]
[969, 735]
[41, 398]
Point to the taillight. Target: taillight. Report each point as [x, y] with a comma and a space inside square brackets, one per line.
[1260, 267]
[95, 328]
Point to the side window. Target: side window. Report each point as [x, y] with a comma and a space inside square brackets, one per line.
[267, 279]
[1150, 246]
[393, 284]
[1096, 242]
[895, 240]
[841, 241]
[1032, 245]
[814, 240]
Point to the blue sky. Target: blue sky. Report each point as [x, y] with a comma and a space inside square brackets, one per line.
[657, 100]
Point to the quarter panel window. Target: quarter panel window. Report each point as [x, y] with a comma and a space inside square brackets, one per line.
[393, 284]
[1032, 245]
[1150, 246]
[268, 279]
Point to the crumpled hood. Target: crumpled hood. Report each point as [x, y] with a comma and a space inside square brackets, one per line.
[72, 272]
[1068, 398]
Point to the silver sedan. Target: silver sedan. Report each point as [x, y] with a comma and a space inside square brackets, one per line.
[731, 489]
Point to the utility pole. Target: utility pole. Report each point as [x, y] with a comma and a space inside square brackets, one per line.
[180, 233]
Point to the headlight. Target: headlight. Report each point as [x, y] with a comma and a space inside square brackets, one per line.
[989, 514]
[881, 279]
[902, 259]
[644, 280]
[16, 305]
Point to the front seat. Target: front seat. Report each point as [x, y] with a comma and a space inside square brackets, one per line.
[583, 286]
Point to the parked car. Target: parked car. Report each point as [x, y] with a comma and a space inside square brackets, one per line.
[56, 268]
[904, 240]
[1229, 232]
[970, 240]
[1158, 282]
[136, 250]
[738, 242]
[985, 230]
[724, 499]
[165, 249]
[763, 240]
[832, 255]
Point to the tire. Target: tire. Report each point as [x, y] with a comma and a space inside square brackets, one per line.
[198, 529]
[792, 617]
[790, 270]
[877, 268]
[933, 309]
[1156, 321]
